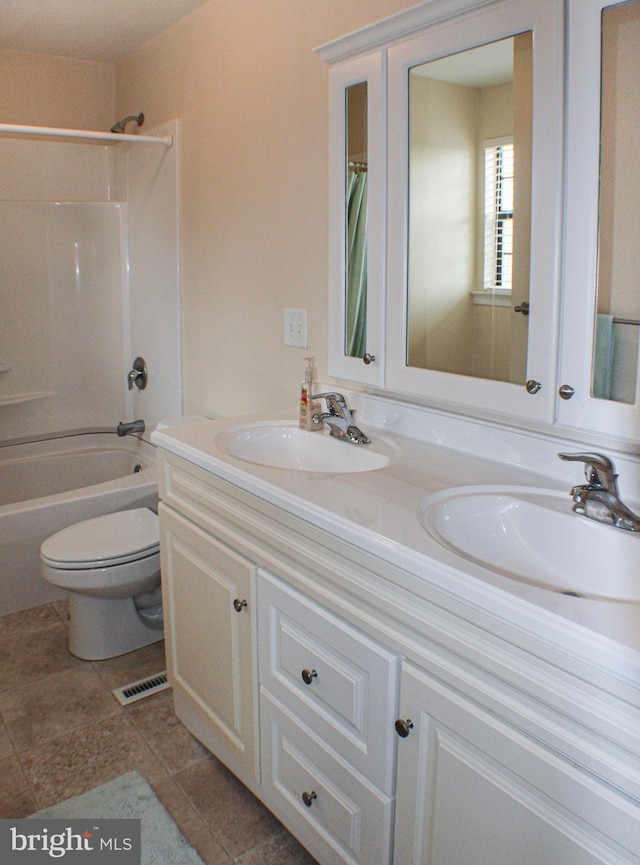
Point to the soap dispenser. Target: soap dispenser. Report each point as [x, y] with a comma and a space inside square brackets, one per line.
[308, 407]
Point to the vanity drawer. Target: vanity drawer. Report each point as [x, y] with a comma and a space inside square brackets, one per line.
[338, 815]
[338, 681]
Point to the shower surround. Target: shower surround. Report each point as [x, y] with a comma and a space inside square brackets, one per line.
[89, 274]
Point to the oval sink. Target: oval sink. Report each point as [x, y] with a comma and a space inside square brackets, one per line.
[533, 536]
[283, 445]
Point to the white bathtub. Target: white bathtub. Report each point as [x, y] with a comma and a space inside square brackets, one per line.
[47, 485]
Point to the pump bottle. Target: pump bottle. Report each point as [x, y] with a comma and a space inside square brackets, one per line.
[308, 407]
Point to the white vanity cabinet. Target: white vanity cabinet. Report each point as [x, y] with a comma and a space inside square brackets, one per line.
[512, 753]
[239, 638]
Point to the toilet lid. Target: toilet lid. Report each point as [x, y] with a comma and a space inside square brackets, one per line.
[110, 539]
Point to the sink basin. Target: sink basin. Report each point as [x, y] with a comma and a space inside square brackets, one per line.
[284, 445]
[533, 536]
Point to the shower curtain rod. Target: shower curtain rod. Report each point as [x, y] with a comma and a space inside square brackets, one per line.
[56, 132]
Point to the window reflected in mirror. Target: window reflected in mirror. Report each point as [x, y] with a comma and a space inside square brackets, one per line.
[356, 221]
[470, 119]
[617, 327]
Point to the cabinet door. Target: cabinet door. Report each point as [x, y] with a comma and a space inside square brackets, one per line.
[472, 789]
[207, 598]
[601, 310]
[356, 219]
[474, 203]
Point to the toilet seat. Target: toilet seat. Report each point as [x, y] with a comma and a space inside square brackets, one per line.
[104, 541]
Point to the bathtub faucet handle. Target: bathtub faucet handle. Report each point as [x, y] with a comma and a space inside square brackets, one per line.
[135, 426]
[138, 374]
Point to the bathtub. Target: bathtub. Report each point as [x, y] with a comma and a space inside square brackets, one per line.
[47, 485]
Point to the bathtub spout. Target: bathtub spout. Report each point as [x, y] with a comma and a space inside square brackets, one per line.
[135, 426]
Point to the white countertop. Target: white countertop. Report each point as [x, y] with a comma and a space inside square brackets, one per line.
[376, 511]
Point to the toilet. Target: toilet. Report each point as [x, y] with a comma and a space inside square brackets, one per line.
[110, 565]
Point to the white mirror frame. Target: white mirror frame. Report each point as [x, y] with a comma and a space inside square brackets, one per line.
[342, 76]
[478, 27]
[581, 242]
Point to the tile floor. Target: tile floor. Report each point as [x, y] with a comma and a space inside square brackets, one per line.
[62, 732]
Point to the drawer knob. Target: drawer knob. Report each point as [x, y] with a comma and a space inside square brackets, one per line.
[308, 676]
[403, 728]
[308, 798]
[238, 604]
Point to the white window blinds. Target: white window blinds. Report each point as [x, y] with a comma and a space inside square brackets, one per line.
[498, 215]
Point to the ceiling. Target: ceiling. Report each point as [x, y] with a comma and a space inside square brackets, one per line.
[102, 30]
[485, 66]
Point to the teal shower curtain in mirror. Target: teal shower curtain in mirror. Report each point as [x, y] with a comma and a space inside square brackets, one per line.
[356, 276]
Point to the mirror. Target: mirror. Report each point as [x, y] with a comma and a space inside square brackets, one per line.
[470, 135]
[356, 220]
[617, 328]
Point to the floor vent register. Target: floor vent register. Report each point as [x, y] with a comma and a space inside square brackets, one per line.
[142, 688]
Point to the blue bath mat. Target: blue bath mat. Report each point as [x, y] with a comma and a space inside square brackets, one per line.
[130, 797]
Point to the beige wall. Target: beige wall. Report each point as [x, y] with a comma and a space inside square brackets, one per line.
[39, 90]
[253, 102]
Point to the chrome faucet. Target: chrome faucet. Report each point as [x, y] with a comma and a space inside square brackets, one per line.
[599, 498]
[135, 426]
[339, 418]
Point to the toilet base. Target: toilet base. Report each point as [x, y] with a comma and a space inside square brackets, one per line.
[102, 628]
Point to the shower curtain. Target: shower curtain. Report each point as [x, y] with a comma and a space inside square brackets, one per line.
[356, 276]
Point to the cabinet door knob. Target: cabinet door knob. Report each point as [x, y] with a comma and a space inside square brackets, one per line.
[533, 386]
[308, 676]
[403, 728]
[238, 604]
[308, 798]
[522, 307]
[369, 358]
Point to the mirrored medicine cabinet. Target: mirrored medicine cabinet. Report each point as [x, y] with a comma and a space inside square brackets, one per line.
[446, 206]
[356, 239]
[468, 211]
[601, 304]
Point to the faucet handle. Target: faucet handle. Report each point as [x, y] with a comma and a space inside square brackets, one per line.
[138, 374]
[330, 395]
[599, 470]
[336, 403]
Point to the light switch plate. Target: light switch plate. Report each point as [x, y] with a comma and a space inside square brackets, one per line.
[295, 327]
